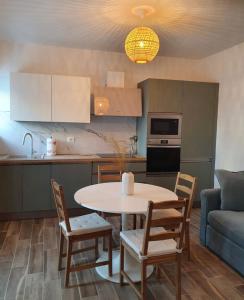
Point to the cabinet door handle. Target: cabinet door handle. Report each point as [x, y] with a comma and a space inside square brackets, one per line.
[162, 146]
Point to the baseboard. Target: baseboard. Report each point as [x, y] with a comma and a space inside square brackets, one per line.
[40, 214]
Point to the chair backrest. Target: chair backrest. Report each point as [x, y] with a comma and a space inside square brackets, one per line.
[185, 186]
[108, 173]
[58, 195]
[176, 224]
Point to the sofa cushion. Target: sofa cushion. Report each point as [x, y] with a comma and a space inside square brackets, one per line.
[232, 189]
[229, 223]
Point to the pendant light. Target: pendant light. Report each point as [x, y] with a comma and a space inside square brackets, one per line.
[142, 43]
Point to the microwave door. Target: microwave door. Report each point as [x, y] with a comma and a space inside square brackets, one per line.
[164, 126]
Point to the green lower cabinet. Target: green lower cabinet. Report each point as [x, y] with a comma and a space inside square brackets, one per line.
[36, 189]
[140, 177]
[204, 173]
[136, 167]
[166, 180]
[72, 177]
[10, 186]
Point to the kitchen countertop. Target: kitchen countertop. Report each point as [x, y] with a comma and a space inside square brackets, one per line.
[63, 159]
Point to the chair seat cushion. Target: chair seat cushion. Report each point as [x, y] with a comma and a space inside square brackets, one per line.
[134, 239]
[229, 223]
[86, 224]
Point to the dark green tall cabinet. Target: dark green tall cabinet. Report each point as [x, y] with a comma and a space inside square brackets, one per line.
[198, 103]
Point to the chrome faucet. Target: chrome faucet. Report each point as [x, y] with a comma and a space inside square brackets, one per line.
[31, 138]
[133, 145]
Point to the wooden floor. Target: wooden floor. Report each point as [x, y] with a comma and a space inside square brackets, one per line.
[28, 269]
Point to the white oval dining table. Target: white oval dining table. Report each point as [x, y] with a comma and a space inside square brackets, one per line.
[108, 197]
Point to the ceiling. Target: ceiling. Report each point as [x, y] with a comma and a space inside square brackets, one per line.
[186, 28]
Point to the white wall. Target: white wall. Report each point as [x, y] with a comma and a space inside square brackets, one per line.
[227, 67]
[56, 60]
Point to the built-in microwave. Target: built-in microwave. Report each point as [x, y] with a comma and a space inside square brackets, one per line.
[164, 126]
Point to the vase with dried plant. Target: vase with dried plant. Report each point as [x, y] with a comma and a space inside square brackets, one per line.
[120, 155]
[118, 148]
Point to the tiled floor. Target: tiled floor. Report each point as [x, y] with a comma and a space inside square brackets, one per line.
[28, 269]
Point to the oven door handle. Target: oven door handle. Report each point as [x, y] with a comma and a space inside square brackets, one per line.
[163, 146]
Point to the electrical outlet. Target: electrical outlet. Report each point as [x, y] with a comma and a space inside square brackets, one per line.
[70, 139]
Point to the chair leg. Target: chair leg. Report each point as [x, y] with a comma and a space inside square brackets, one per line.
[141, 222]
[122, 254]
[143, 280]
[110, 255]
[68, 262]
[104, 244]
[187, 240]
[61, 245]
[134, 222]
[104, 239]
[120, 220]
[178, 277]
[158, 272]
[96, 248]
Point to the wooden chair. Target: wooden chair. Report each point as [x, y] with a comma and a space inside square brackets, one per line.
[185, 187]
[110, 173]
[76, 229]
[154, 244]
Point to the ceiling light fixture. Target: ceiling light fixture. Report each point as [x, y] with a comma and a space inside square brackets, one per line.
[142, 43]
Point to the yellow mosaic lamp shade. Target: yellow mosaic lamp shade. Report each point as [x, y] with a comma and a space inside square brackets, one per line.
[141, 45]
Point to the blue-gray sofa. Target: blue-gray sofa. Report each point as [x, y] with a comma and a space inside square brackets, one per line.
[221, 229]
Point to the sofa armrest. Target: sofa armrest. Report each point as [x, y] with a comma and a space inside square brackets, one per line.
[210, 200]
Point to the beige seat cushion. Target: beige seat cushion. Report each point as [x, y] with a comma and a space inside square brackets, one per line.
[86, 224]
[134, 239]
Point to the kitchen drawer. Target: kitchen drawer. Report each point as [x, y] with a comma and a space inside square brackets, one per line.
[136, 167]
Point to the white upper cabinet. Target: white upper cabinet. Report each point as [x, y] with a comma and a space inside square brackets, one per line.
[30, 97]
[111, 101]
[70, 99]
[50, 98]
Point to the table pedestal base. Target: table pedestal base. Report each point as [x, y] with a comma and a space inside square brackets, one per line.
[132, 267]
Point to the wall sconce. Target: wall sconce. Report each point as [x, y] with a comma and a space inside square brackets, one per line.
[101, 105]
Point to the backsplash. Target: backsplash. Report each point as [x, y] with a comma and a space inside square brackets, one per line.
[119, 128]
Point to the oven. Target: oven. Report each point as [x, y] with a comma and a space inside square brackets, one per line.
[163, 158]
[164, 126]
